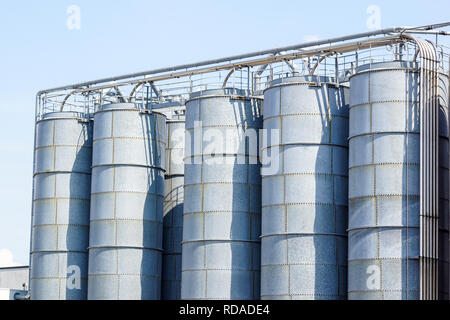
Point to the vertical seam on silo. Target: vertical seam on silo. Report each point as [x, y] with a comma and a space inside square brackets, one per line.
[56, 211]
[407, 178]
[372, 136]
[249, 216]
[58, 276]
[282, 162]
[114, 176]
[54, 145]
[116, 250]
[153, 124]
[54, 180]
[333, 186]
[202, 186]
[373, 167]
[171, 205]
[284, 192]
[422, 195]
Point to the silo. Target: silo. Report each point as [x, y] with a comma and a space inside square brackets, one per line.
[384, 187]
[304, 190]
[125, 251]
[62, 181]
[222, 208]
[173, 211]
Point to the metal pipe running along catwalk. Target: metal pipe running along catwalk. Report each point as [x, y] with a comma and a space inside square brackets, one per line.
[321, 44]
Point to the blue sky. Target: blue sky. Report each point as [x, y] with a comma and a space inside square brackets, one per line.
[38, 51]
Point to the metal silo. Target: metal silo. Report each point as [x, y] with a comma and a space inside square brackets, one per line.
[222, 208]
[173, 211]
[62, 181]
[125, 251]
[304, 190]
[384, 187]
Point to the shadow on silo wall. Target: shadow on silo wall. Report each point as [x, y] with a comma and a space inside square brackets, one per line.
[151, 260]
[245, 244]
[77, 237]
[171, 263]
[330, 267]
[444, 271]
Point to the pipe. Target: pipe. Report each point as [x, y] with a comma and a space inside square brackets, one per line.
[121, 95]
[154, 88]
[135, 89]
[118, 91]
[429, 164]
[138, 86]
[248, 55]
[291, 64]
[257, 62]
[294, 68]
[228, 77]
[319, 61]
[398, 51]
[257, 78]
[261, 69]
[63, 103]
[439, 33]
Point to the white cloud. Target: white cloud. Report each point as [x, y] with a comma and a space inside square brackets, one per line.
[6, 259]
[311, 38]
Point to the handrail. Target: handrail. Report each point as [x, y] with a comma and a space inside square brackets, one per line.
[250, 55]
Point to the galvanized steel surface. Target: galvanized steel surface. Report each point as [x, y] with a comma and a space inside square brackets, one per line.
[304, 199]
[125, 252]
[173, 211]
[222, 209]
[59, 257]
[384, 191]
